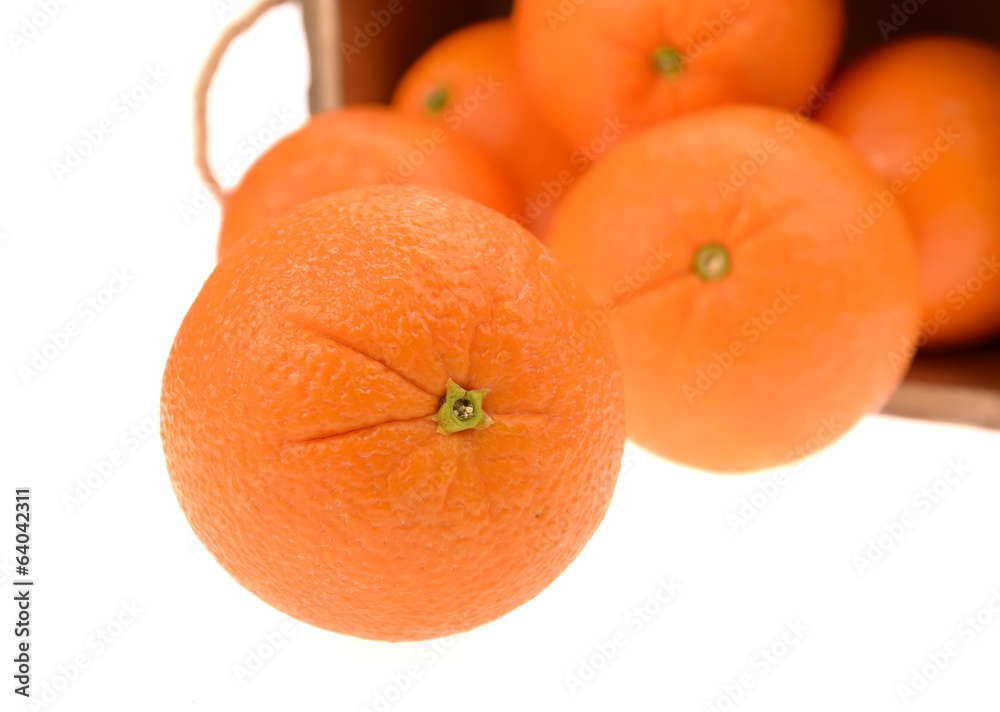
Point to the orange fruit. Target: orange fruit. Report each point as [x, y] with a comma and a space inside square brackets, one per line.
[382, 417]
[648, 60]
[356, 146]
[749, 328]
[468, 83]
[925, 114]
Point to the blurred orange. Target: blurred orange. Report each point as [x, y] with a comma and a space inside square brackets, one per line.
[925, 113]
[642, 61]
[468, 83]
[746, 323]
[353, 147]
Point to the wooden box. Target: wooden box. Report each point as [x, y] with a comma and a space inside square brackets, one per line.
[959, 386]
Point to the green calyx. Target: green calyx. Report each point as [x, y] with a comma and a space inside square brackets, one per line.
[462, 410]
[711, 262]
[667, 61]
[436, 101]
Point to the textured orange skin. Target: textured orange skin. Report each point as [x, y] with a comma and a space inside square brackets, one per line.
[298, 403]
[890, 107]
[825, 357]
[596, 62]
[505, 124]
[353, 147]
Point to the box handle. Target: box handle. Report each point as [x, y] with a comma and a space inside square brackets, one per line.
[204, 83]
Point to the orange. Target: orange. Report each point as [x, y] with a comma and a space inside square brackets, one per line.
[751, 330]
[356, 146]
[468, 83]
[643, 61]
[308, 386]
[925, 114]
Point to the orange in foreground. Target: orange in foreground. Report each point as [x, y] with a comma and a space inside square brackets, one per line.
[751, 330]
[353, 147]
[383, 416]
[468, 84]
[925, 113]
[642, 61]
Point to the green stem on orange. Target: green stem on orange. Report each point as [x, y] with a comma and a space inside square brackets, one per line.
[711, 262]
[462, 410]
[437, 100]
[667, 61]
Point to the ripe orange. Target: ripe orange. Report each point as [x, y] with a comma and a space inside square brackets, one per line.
[306, 392]
[647, 60]
[468, 83]
[356, 146]
[925, 113]
[748, 325]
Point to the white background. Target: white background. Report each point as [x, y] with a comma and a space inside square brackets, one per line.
[124, 544]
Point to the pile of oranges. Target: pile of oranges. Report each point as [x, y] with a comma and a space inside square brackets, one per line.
[393, 412]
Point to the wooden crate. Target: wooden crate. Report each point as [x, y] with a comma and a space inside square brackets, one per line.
[959, 387]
